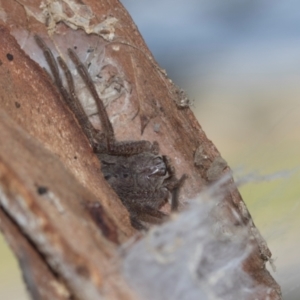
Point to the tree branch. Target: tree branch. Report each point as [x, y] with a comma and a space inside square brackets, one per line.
[49, 174]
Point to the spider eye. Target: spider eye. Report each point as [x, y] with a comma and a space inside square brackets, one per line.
[125, 175]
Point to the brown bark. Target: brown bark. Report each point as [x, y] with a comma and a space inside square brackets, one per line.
[40, 280]
[48, 172]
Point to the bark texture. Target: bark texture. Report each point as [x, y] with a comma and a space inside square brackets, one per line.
[49, 174]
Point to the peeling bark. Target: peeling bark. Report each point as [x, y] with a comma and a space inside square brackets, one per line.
[40, 280]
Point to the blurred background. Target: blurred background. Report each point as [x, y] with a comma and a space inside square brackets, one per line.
[239, 61]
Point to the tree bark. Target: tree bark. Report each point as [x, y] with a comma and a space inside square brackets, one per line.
[49, 175]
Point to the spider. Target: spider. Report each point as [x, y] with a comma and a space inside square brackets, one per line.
[141, 177]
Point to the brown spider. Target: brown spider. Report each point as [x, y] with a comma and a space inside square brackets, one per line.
[142, 179]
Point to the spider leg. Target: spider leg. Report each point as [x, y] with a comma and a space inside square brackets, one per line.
[135, 223]
[54, 69]
[146, 214]
[173, 184]
[113, 147]
[105, 122]
[175, 192]
[76, 106]
[128, 148]
[70, 99]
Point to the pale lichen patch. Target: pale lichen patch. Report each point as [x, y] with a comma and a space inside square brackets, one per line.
[76, 16]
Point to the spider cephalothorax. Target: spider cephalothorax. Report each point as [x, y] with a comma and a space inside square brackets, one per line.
[141, 177]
